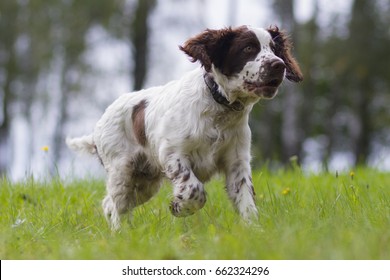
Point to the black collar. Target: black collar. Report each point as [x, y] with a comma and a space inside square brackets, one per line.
[218, 96]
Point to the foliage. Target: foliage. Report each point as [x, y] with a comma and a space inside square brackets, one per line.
[39, 38]
[302, 216]
[345, 93]
[343, 100]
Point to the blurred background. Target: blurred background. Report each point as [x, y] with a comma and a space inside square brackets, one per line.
[62, 62]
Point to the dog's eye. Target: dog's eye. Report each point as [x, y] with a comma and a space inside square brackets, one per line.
[249, 49]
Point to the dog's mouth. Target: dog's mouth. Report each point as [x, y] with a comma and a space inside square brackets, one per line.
[263, 89]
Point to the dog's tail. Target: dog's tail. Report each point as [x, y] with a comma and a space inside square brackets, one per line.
[83, 144]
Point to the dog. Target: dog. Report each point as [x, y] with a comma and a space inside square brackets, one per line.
[192, 128]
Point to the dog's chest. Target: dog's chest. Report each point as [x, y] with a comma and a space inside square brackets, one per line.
[205, 158]
[207, 150]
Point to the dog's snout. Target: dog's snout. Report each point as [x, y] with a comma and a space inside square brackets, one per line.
[276, 65]
[274, 72]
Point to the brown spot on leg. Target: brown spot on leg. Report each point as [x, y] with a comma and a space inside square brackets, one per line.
[193, 192]
[186, 176]
[138, 118]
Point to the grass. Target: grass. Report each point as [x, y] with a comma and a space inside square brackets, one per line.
[324, 216]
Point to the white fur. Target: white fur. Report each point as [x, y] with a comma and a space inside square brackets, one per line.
[83, 144]
[189, 138]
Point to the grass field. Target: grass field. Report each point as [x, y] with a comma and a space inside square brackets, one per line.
[325, 216]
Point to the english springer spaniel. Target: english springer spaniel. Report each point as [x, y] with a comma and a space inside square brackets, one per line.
[192, 128]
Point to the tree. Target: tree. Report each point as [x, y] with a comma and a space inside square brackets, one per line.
[365, 68]
[34, 34]
[358, 70]
[24, 52]
[8, 65]
[139, 37]
[279, 127]
[291, 130]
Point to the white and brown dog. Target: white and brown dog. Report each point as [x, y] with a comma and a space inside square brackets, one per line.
[192, 128]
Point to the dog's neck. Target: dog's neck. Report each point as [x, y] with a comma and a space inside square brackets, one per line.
[218, 96]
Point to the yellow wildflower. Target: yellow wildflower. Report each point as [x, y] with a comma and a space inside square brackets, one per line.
[352, 174]
[286, 191]
[45, 148]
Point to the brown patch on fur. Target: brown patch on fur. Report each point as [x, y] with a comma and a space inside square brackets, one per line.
[243, 47]
[282, 48]
[186, 175]
[142, 169]
[138, 118]
[213, 46]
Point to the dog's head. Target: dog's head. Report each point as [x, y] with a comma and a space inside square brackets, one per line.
[245, 60]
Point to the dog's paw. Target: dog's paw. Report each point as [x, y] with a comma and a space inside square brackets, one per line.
[184, 208]
[179, 210]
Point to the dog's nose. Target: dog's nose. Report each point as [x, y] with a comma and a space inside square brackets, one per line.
[276, 65]
[274, 72]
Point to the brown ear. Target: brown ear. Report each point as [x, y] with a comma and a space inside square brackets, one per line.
[208, 47]
[282, 49]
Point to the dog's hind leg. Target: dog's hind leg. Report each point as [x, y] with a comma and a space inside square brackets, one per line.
[120, 189]
[116, 203]
[129, 185]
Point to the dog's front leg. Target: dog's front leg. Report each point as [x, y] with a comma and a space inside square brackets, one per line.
[189, 194]
[240, 188]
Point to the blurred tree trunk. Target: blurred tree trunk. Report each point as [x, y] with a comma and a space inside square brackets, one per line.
[363, 139]
[63, 102]
[8, 68]
[75, 21]
[291, 130]
[139, 37]
[72, 44]
[364, 62]
[5, 126]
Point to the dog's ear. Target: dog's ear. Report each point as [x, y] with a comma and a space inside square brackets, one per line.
[208, 47]
[282, 48]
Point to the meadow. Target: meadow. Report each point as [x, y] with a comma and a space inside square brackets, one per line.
[302, 216]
